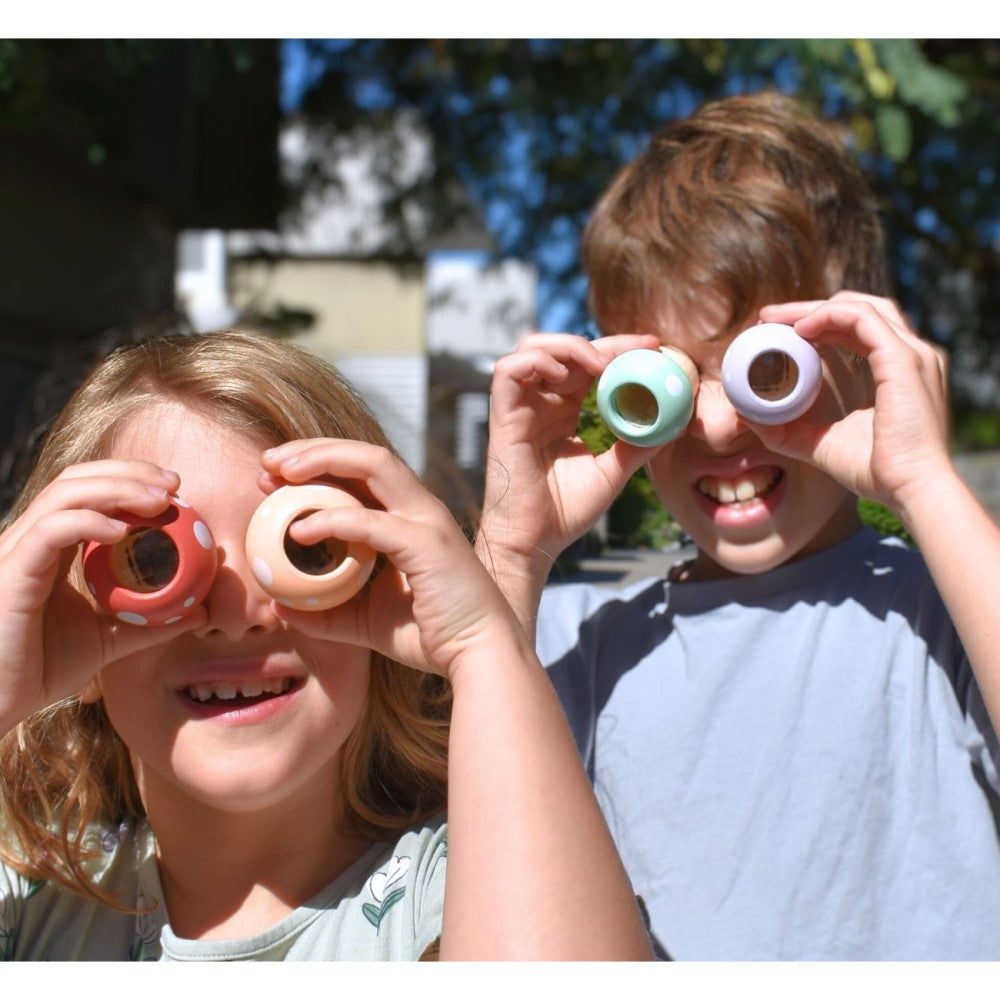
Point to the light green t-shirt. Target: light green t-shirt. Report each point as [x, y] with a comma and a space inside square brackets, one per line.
[387, 906]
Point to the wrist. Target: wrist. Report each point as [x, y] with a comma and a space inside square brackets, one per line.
[518, 562]
[925, 504]
[497, 658]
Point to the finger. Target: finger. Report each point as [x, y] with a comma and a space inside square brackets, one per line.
[620, 462]
[564, 346]
[387, 479]
[788, 312]
[107, 495]
[565, 373]
[620, 343]
[121, 639]
[532, 362]
[532, 368]
[804, 315]
[791, 312]
[864, 328]
[122, 469]
[37, 555]
[805, 440]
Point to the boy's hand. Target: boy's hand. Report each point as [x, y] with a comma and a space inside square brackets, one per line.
[544, 487]
[896, 443]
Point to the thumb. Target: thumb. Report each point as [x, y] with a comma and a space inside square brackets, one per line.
[122, 639]
[622, 461]
[798, 439]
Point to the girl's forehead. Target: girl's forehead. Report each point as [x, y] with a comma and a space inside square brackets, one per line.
[172, 431]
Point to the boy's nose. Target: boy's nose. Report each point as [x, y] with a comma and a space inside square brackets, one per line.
[715, 420]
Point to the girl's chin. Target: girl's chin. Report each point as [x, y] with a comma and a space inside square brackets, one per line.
[231, 788]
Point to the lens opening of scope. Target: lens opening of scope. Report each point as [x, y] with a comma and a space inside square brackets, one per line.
[317, 559]
[773, 375]
[637, 405]
[145, 560]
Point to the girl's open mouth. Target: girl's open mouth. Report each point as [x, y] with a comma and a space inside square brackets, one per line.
[245, 694]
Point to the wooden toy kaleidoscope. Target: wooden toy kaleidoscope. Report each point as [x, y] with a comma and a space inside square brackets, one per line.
[770, 374]
[165, 565]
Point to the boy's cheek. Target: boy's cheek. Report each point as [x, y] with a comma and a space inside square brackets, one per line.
[666, 473]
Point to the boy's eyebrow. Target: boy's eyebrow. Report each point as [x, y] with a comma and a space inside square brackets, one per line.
[722, 334]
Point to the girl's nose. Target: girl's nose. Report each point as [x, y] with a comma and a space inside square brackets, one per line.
[715, 420]
[236, 604]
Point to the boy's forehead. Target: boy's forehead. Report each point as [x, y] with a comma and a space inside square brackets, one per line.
[705, 319]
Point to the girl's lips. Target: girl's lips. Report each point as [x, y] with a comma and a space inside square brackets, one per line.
[246, 701]
[239, 684]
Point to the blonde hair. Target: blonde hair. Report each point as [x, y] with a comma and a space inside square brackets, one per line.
[64, 772]
[749, 201]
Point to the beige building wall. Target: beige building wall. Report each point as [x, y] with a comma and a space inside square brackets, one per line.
[370, 321]
[361, 307]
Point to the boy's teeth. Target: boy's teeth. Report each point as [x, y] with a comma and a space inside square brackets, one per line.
[725, 493]
[739, 490]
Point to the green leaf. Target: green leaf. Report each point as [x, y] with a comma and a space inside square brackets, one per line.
[892, 124]
[883, 520]
[394, 897]
[931, 89]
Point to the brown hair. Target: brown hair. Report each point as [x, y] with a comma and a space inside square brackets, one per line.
[64, 772]
[750, 201]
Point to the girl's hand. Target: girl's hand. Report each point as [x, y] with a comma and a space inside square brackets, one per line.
[519, 799]
[433, 602]
[896, 443]
[544, 487]
[52, 640]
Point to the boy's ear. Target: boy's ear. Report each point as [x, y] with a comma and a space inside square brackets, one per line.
[91, 691]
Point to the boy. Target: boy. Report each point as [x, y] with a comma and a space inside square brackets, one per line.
[789, 733]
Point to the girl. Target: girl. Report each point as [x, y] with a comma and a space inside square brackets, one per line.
[258, 782]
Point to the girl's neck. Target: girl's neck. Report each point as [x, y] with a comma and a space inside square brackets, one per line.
[232, 875]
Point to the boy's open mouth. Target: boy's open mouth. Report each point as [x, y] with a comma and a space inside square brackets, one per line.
[745, 488]
[240, 695]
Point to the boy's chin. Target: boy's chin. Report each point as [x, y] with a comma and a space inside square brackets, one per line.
[720, 562]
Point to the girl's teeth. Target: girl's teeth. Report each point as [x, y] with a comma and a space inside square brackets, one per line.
[250, 689]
